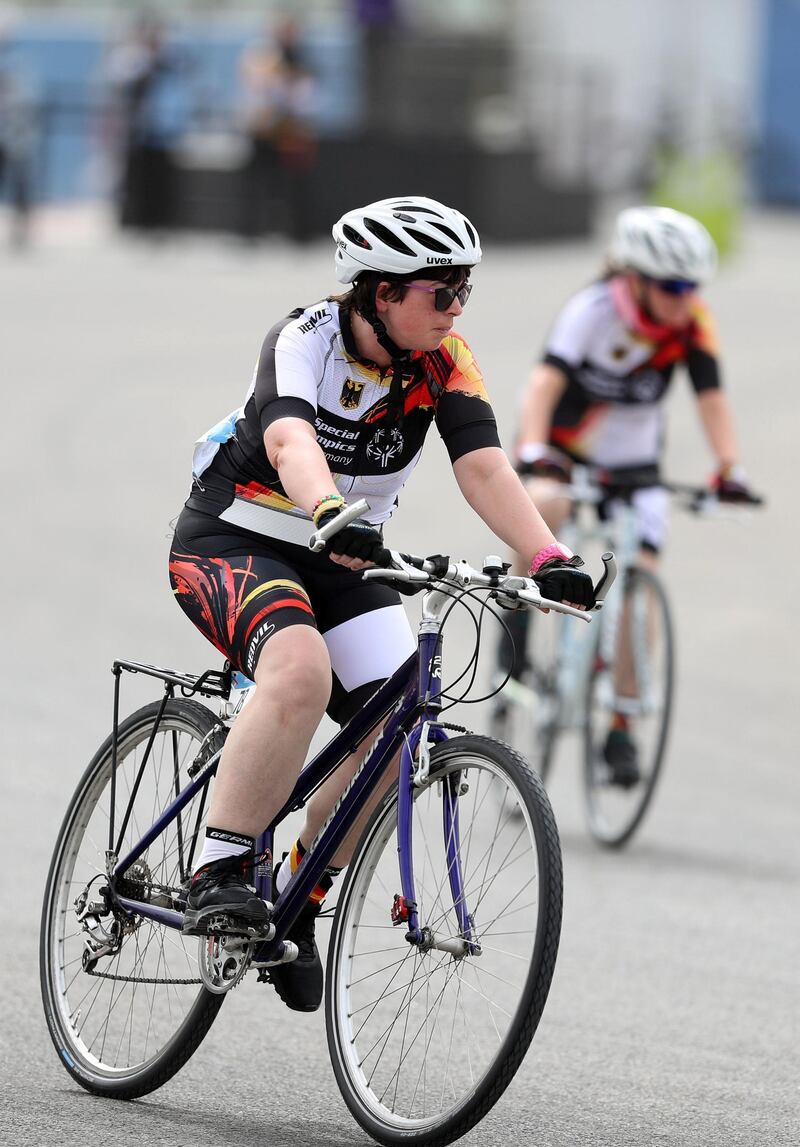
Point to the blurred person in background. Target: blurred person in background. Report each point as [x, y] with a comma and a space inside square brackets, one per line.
[378, 21]
[276, 110]
[20, 123]
[149, 85]
[597, 396]
[343, 395]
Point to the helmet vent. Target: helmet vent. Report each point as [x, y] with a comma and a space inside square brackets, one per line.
[451, 235]
[354, 237]
[428, 241]
[386, 236]
[417, 209]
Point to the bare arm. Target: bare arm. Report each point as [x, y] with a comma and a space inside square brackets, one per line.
[488, 482]
[717, 419]
[293, 450]
[547, 384]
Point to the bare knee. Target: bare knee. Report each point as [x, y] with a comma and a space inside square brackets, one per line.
[295, 664]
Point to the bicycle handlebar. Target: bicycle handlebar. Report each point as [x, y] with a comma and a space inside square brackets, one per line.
[429, 571]
[595, 485]
[317, 541]
[510, 589]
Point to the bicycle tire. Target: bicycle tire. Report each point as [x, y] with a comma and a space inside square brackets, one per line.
[125, 1027]
[526, 715]
[614, 814]
[527, 965]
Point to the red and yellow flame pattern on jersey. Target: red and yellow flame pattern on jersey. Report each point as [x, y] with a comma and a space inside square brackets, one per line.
[265, 496]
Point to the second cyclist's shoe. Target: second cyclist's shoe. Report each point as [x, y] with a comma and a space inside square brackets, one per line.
[221, 899]
[299, 983]
[622, 758]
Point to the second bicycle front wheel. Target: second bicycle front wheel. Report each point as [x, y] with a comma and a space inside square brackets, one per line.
[424, 1040]
[637, 684]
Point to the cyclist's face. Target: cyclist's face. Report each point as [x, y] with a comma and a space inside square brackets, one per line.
[669, 310]
[413, 322]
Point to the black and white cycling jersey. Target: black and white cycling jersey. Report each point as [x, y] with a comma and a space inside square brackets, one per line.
[309, 368]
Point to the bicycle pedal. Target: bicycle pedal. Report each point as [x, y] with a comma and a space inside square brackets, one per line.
[224, 924]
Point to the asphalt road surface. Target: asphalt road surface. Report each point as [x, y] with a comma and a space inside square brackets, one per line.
[673, 1016]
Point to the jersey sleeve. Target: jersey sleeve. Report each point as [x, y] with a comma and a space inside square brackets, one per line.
[464, 416]
[570, 334]
[702, 358]
[286, 375]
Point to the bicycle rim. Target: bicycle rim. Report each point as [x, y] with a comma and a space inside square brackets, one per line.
[128, 1022]
[614, 812]
[423, 1044]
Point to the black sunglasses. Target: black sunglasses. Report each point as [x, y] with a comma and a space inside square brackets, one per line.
[673, 286]
[444, 296]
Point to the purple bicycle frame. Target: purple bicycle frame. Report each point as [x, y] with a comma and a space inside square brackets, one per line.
[411, 697]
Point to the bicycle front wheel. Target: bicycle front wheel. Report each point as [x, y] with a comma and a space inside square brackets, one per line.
[425, 1039]
[124, 1021]
[638, 684]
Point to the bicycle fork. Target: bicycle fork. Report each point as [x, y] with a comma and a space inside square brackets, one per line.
[425, 733]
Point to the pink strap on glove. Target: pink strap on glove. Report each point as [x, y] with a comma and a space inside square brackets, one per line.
[548, 554]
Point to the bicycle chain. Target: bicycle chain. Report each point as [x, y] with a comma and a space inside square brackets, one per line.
[138, 979]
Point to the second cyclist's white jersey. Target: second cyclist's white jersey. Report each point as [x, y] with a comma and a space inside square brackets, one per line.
[611, 413]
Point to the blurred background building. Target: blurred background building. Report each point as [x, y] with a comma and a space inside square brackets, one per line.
[257, 118]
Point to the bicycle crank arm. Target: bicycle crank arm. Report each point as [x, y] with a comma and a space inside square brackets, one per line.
[287, 951]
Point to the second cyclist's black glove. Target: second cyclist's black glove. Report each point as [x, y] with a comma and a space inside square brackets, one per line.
[358, 540]
[561, 580]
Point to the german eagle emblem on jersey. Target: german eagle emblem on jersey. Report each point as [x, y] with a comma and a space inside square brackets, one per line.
[351, 394]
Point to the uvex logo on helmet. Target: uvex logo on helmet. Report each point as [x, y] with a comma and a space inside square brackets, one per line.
[440, 262]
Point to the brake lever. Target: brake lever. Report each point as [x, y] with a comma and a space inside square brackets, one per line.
[399, 570]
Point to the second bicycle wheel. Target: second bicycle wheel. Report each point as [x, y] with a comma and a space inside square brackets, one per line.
[638, 684]
[424, 1040]
[527, 714]
[122, 994]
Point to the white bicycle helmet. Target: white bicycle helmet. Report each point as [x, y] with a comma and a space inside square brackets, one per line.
[403, 235]
[664, 244]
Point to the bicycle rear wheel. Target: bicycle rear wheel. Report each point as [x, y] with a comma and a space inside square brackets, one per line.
[614, 812]
[424, 1042]
[125, 1021]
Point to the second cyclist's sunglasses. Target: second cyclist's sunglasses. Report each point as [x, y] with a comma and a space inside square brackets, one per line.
[673, 286]
[443, 296]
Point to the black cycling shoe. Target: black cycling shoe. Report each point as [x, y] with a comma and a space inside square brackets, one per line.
[221, 900]
[622, 758]
[299, 983]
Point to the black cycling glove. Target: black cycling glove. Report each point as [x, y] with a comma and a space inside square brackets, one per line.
[561, 580]
[358, 540]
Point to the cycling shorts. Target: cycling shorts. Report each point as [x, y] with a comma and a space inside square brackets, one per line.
[651, 508]
[240, 588]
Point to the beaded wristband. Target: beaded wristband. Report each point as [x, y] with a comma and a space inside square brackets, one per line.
[321, 506]
[555, 550]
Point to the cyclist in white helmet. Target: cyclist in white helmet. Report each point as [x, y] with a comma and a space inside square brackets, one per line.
[597, 395]
[342, 396]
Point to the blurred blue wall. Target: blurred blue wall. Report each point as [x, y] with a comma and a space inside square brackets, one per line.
[61, 62]
[777, 160]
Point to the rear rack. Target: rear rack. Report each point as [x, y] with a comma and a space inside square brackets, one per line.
[211, 683]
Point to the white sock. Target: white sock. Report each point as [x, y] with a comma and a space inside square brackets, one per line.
[220, 842]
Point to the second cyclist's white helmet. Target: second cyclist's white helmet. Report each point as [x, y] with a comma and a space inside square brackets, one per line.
[403, 235]
[664, 244]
